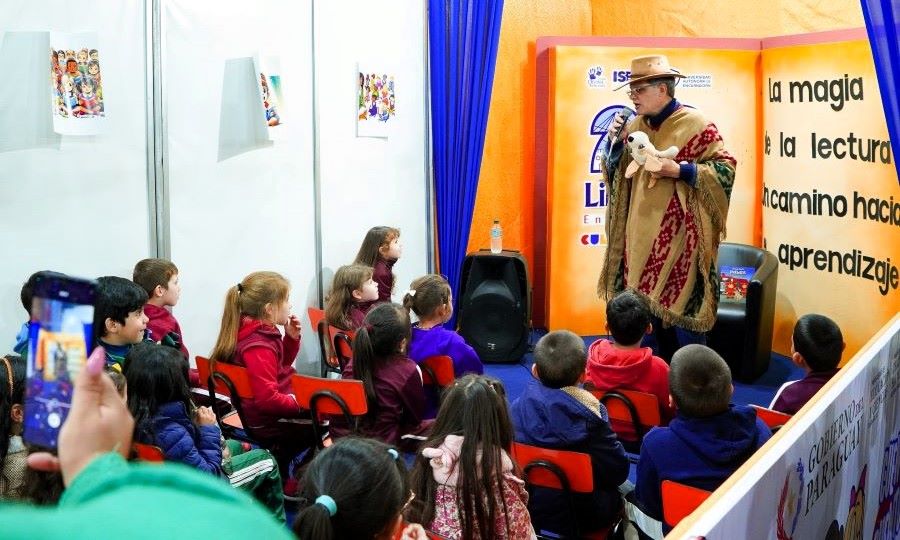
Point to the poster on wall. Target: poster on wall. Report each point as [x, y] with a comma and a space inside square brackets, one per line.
[829, 187]
[76, 84]
[376, 106]
[271, 92]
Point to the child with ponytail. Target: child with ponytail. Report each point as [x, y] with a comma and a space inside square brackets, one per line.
[392, 381]
[352, 292]
[355, 489]
[249, 337]
[430, 298]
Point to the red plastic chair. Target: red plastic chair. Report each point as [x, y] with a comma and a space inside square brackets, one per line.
[774, 419]
[317, 320]
[680, 501]
[147, 452]
[565, 470]
[326, 397]
[637, 409]
[437, 371]
[343, 346]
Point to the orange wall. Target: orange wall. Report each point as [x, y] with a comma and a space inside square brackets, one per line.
[506, 184]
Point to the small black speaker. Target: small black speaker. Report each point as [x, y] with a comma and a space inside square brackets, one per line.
[494, 305]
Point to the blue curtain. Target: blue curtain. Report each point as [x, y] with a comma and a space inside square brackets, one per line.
[463, 37]
[882, 23]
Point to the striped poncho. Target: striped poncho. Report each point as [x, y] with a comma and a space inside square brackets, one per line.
[663, 240]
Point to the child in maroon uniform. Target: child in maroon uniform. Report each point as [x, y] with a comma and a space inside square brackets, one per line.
[351, 289]
[380, 249]
[816, 346]
[392, 381]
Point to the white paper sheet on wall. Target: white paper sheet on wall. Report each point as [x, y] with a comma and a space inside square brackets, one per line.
[271, 93]
[76, 84]
[242, 124]
[375, 101]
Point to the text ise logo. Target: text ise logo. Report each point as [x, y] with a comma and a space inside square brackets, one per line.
[621, 75]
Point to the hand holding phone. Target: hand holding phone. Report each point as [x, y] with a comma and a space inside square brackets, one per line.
[60, 338]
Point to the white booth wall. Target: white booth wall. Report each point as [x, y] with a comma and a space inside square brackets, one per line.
[71, 203]
[372, 181]
[226, 216]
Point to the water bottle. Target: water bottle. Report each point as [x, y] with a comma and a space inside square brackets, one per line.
[496, 237]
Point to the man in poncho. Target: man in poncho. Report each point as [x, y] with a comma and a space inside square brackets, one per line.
[663, 239]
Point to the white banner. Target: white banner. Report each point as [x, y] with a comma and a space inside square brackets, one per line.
[834, 474]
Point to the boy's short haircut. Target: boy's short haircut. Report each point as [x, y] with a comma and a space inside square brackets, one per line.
[27, 292]
[628, 315]
[560, 357]
[149, 273]
[116, 297]
[699, 381]
[819, 340]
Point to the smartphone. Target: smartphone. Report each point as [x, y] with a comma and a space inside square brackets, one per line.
[60, 339]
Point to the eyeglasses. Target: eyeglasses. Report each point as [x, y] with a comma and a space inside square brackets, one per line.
[638, 90]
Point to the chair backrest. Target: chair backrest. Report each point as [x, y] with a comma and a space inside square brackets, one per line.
[437, 370]
[679, 501]
[147, 452]
[343, 346]
[559, 469]
[345, 397]
[320, 325]
[230, 378]
[203, 370]
[638, 408]
[773, 419]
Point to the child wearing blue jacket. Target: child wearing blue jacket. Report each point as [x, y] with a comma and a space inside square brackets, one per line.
[160, 402]
[707, 440]
[554, 412]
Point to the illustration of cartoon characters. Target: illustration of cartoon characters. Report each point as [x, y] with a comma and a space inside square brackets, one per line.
[70, 101]
[272, 117]
[95, 56]
[88, 104]
[82, 58]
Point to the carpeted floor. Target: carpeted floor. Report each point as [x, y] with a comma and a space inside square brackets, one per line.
[760, 392]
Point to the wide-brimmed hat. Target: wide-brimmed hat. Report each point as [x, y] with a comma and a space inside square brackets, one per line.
[652, 66]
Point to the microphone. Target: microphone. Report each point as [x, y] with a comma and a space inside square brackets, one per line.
[625, 114]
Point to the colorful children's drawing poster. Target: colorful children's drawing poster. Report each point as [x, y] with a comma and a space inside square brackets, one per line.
[376, 105]
[268, 69]
[76, 84]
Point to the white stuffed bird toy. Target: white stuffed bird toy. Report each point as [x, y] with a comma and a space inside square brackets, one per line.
[645, 155]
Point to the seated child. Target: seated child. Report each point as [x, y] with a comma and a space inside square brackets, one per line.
[339, 505]
[707, 440]
[26, 295]
[554, 412]
[119, 320]
[392, 381]
[352, 290]
[380, 250]
[159, 278]
[464, 482]
[429, 297]
[160, 402]
[623, 364]
[249, 337]
[12, 449]
[816, 346]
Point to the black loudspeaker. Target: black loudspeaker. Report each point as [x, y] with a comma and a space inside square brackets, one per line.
[494, 305]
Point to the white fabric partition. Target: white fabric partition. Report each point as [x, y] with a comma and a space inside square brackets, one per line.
[255, 210]
[371, 181]
[76, 204]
